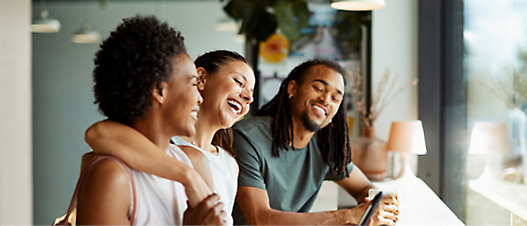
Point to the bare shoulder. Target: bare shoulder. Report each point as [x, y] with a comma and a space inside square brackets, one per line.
[104, 196]
[200, 163]
[196, 156]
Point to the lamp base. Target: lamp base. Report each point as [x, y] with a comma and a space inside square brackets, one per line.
[405, 169]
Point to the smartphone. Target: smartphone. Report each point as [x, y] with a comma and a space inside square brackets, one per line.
[371, 209]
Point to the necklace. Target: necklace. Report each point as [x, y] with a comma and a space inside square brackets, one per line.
[192, 141]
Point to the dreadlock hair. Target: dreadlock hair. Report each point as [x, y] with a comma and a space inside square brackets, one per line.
[212, 62]
[332, 140]
[135, 59]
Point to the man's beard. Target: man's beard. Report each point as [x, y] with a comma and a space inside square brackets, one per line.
[310, 124]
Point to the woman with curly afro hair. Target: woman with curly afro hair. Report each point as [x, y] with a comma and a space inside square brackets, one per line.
[226, 83]
[145, 80]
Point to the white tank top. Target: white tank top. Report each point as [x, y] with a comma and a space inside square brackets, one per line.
[160, 201]
[224, 172]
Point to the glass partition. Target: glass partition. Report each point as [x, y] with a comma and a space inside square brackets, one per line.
[495, 65]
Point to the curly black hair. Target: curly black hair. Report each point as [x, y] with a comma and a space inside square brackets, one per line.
[332, 140]
[135, 59]
[211, 62]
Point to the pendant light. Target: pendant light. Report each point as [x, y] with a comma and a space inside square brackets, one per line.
[86, 35]
[45, 24]
[358, 5]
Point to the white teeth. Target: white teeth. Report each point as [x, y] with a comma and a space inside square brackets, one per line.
[238, 106]
[320, 109]
[194, 114]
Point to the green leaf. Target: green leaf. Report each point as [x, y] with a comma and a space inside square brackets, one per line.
[232, 9]
[264, 26]
[349, 25]
[284, 15]
[301, 13]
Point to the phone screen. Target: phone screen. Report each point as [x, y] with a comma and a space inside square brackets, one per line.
[369, 212]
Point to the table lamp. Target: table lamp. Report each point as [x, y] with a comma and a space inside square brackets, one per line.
[490, 139]
[406, 138]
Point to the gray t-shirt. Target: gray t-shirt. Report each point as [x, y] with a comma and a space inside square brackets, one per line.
[292, 181]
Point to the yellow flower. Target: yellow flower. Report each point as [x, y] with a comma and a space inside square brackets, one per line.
[275, 48]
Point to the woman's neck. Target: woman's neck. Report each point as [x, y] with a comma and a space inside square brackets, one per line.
[152, 132]
[204, 134]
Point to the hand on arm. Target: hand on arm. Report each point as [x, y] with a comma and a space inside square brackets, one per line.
[208, 212]
[113, 138]
[357, 185]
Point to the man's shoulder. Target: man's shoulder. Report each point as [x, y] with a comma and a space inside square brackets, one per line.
[253, 125]
[254, 130]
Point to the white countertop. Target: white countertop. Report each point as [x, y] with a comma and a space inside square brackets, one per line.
[418, 204]
[510, 196]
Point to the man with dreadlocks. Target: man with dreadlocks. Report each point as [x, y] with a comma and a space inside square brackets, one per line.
[294, 143]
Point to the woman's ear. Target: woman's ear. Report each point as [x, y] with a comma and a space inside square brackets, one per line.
[291, 88]
[202, 78]
[160, 94]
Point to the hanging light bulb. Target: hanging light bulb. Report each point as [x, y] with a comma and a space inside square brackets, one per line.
[45, 24]
[358, 5]
[86, 35]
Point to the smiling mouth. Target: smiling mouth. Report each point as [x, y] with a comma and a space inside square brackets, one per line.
[194, 113]
[235, 106]
[321, 110]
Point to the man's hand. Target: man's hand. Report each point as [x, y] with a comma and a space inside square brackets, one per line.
[387, 212]
[208, 212]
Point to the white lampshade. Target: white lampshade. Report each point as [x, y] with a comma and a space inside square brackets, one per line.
[489, 137]
[358, 5]
[86, 35]
[407, 136]
[43, 24]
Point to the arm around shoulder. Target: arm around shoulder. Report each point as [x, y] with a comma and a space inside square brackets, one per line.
[133, 148]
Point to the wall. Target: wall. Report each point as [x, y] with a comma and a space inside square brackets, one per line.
[15, 113]
[394, 47]
[62, 84]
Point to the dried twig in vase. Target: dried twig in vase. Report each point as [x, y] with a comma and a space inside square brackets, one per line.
[380, 99]
[519, 89]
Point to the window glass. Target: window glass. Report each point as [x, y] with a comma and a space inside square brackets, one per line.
[495, 38]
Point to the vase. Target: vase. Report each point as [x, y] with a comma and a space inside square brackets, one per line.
[369, 154]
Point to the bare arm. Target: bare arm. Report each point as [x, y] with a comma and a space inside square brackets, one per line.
[357, 185]
[200, 163]
[112, 138]
[104, 196]
[254, 203]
